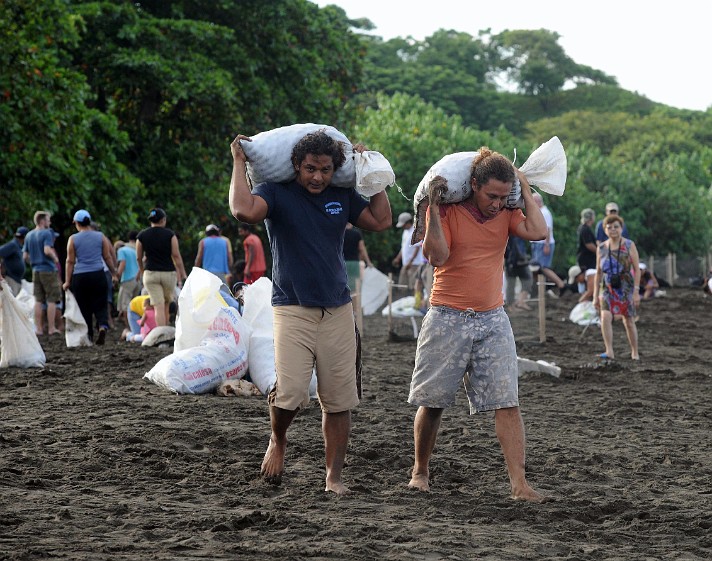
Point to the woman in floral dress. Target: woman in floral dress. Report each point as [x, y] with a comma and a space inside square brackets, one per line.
[616, 290]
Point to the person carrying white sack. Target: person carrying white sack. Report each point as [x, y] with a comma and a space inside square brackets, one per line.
[466, 336]
[313, 314]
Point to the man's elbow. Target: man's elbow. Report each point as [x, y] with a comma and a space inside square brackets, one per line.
[385, 224]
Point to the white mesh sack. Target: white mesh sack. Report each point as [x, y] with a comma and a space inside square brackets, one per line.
[270, 152]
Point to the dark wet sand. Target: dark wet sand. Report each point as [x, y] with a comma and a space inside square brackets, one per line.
[98, 463]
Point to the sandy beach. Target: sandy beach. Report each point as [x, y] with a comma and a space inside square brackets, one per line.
[98, 463]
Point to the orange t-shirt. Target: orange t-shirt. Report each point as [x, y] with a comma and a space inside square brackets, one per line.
[472, 275]
[253, 245]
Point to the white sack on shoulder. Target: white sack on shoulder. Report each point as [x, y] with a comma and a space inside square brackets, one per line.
[76, 332]
[546, 168]
[221, 356]
[373, 172]
[19, 344]
[269, 155]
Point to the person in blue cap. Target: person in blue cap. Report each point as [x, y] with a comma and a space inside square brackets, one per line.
[87, 251]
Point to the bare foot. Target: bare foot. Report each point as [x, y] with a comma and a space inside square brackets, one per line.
[420, 482]
[55, 332]
[273, 463]
[337, 487]
[526, 493]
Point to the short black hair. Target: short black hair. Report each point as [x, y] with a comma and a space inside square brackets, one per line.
[132, 235]
[156, 215]
[318, 143]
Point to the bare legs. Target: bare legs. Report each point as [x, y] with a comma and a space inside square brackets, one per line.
[510, 433]
[273, 463]
[51, 318]
[425, 432]
[632, 332]
[38, 318]
[336, 428]
[607, 332]
[162, 314]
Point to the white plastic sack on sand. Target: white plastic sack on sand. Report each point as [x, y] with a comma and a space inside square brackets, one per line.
[222, 355]
[269, 155]
[258, 313]
[374, 290]
[403, 308]
[584, 313]
[198, 305]
[159, 334]
[373, 172]
[19, 345]
[76, 332]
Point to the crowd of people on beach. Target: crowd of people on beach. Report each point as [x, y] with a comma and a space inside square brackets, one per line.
[316, 248]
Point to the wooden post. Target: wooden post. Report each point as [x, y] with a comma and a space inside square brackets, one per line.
[358, 310]
[390, 302]
[541, 285]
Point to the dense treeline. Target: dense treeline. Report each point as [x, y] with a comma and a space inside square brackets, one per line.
[120, 106]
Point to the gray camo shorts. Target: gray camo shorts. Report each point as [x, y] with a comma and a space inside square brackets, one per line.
[476, 348]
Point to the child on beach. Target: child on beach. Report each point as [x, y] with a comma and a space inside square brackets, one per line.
[142, 319]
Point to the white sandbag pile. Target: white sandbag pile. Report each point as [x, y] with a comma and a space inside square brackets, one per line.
[269, 159]
[221, 356]
[545, 168]
[211, 340]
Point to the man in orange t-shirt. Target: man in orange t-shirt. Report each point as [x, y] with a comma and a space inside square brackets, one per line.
[466, 333]
[255, 265]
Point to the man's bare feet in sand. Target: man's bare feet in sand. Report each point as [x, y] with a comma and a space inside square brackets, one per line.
[420, 483]
[337, 487]
[526, 493]
[273, 463]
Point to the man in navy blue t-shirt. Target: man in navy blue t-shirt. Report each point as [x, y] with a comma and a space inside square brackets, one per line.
[313, 315]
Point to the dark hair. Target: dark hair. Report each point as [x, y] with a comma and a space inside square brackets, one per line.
[132, 235]
[86, 221]
[488, 164]
[156, 215]
[318, 144]
[245, 226]
[613, 218]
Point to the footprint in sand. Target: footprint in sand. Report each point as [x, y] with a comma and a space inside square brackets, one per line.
[190, 445]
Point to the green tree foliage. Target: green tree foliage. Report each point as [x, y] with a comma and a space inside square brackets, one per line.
[666, 202]
[448, 69]
[537, 64]
[56, 152]
[184, 77]
[116, 106]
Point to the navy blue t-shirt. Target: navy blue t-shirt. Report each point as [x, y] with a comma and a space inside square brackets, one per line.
[306, 236]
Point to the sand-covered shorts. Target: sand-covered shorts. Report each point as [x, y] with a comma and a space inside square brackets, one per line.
[474, 347]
